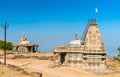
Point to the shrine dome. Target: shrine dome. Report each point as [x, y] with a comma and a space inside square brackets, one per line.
[76, 42]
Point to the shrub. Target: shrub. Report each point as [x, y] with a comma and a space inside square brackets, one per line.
[8, 45]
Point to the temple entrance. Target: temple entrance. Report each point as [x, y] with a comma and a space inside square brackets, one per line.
[62, 59]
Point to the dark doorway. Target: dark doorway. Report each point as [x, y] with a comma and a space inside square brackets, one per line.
[62, 60]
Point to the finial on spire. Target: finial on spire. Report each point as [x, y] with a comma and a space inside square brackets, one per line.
[96, 12]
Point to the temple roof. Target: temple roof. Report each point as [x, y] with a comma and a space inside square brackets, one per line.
[24, 42]
[92, 41]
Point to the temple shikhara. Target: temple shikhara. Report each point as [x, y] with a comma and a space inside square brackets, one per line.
[88, 52]
[25, 46]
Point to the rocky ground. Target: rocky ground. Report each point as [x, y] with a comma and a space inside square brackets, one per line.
[113, 64]
[43, 63]
[11, 72]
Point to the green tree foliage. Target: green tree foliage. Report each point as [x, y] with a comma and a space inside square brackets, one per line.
[8, 45]
[1, 44]
[118, 56]
[119, 51]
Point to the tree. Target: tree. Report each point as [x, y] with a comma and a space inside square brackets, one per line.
[8, 45]
[1, 44]
[118, 56]
[119, 51]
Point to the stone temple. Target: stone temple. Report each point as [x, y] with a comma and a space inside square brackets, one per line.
[86, 53]
[25, 46]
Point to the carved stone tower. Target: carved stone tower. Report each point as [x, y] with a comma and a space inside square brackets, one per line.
[95, 52]
[93, 39]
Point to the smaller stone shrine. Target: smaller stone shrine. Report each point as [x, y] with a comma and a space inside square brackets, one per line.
[25, 46]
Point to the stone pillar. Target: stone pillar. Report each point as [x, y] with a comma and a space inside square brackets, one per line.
[36, 48]
[56, 56]
[59, 58]
[31, 49]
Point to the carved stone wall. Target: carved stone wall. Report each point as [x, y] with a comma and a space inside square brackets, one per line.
[75, 59]
[22, 49]
[93, 40]
[94, 61]
[90, 55]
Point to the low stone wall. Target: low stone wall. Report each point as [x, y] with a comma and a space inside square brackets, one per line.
[37, 57]
[26, 56]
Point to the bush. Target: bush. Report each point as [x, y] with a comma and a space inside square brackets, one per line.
[116, 58]
[8, 45]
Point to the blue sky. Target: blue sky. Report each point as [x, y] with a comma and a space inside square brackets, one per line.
[55, 22]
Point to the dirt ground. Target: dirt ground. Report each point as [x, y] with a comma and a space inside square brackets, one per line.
[47, 69]
[7, 72]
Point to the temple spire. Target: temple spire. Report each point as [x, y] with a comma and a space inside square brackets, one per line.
[23, 38]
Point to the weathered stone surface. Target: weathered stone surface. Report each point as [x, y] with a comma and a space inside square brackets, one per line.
[25, 46]
[90, 55]
[93, 40]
